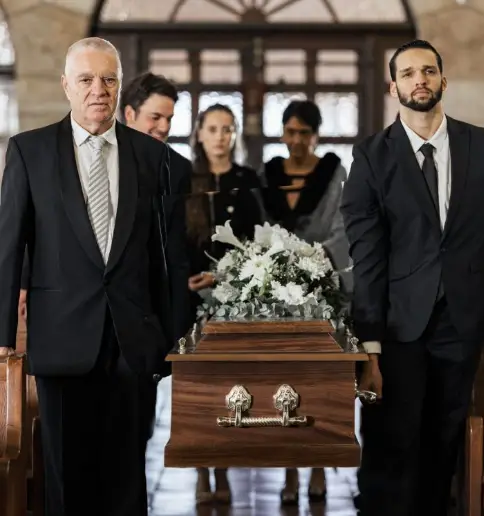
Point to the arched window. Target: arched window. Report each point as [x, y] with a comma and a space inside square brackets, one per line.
[255, 55]
[272, 11]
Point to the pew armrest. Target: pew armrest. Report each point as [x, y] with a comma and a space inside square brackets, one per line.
[12, 406]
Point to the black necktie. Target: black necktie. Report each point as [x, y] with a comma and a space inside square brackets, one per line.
[430, 173]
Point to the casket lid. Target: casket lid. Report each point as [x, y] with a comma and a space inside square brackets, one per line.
[264, 340]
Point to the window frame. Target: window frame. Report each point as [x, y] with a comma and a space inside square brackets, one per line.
[369, 41]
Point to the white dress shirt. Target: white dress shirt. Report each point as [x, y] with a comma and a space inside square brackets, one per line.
[84, 158]
[440, 141]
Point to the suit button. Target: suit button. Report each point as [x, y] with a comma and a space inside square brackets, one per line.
[443, 250]
[105, 282]
[157, 377]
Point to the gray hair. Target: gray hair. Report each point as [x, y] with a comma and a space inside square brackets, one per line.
[96, 44]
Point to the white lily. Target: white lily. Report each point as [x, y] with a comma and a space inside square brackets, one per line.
[226, 235]
[263, 234]
[252, 276]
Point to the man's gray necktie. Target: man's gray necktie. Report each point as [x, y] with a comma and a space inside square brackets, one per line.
[98, 194]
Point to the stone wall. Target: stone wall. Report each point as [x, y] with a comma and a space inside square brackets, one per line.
[456, 29]
[41, 32]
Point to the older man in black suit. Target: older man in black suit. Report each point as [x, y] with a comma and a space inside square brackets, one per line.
[83, 195]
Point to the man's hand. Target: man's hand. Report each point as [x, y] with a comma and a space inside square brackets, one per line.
[371, 379]
[22, 305]
[201, 281]
[6, 352]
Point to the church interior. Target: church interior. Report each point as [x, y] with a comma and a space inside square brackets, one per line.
[254, 56]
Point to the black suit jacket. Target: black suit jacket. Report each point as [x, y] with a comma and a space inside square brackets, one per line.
[177, 176]
[70, 288]
[400, 254]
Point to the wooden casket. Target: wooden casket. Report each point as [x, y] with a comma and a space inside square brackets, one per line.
[258, 393]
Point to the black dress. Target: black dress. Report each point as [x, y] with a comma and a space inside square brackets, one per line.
[316, 217]
[316, 185]
[231, 196]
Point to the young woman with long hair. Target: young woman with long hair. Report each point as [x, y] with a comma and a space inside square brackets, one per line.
[221, 190]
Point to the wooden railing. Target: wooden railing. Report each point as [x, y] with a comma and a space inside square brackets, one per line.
[21, 469]
[13, 437]
[35, 472]
[472, 465]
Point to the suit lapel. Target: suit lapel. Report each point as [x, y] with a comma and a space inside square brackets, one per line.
[409, 165]
[459, 157]
[128, 196]
[72, 196]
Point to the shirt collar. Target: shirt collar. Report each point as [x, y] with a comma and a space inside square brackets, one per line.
[81, 135]
[438, 139]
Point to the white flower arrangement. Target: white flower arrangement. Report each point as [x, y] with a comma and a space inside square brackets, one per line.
[274, 275]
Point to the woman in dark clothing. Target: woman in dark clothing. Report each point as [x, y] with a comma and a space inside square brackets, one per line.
[221, 191]
[302, 194]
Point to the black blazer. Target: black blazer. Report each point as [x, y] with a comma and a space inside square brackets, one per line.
[400, 254]
[70, 288]
[176, 175]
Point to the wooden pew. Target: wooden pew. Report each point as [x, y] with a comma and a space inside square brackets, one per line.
[471, 467]
[13, 437]
[35, 471]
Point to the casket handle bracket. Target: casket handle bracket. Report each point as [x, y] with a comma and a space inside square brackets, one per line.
[239, 401]
[368, 397]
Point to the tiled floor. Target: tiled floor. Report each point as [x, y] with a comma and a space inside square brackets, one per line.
[255, 491]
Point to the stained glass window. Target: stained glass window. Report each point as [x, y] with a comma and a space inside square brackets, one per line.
[274, 106]
[339, 112]
[299, 11]
[206, 11]
[343, 151]
[390, 110]
[217, 66]
[7, 56]
[336, 67]
[165, 11]
[220, 66]
[9, 121]
[183, 149]
[369, 11]
[285, 66]
[173, 64]
[233, 100]
[274, 11]
[8, 108]
[181, 124]
[271, 150]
